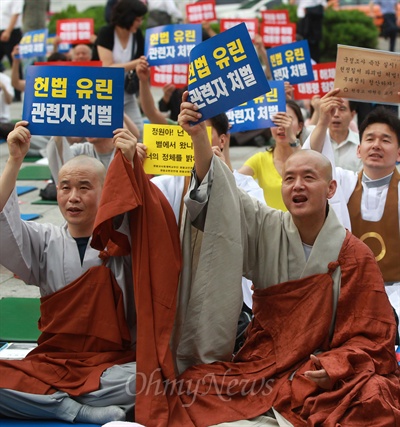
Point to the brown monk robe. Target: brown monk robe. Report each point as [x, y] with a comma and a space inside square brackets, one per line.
[156, 263]
[292, 321]
[78, 341]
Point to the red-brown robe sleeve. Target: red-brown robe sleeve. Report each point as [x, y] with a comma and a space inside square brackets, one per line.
[156, 264]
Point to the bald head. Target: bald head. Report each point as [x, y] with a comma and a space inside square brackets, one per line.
[312, 157]
[85, 163]
[81, 52]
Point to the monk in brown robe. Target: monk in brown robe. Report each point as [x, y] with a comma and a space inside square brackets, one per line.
[84, 368]
[320, 350]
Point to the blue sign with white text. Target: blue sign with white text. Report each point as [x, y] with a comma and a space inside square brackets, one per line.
[258, 113]
[171, 44]
[291, 62]
[33, 43]
[74, 101]
[224, 71]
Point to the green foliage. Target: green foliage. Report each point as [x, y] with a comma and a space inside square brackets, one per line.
[347, 27]
[95, 12]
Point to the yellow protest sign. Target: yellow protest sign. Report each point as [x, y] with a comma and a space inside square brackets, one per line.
[169, 150]
[367, 74]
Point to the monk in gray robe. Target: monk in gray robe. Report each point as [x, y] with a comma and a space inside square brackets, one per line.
[320, 349]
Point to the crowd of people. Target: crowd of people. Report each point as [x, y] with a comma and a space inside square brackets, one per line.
[144, 285]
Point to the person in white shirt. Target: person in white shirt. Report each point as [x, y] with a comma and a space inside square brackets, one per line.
[370, 199]
[344, 141]
[162, 12]
[6, 98]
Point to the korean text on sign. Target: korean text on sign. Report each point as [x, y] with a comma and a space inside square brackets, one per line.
[225, 71]
[324, 76]
[251, 25]
[169, 150]
[277, 34]
[74, 101]
[162, 75]
[203, 11]
[171, 44]
[368, 75]
[291, 62]
[74, 31]
[275, 17]
[258, 113]
[33, 43]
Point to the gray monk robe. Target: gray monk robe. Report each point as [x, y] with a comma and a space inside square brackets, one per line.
[294, 308]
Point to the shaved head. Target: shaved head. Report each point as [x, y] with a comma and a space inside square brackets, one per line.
[85, 162]
[312, 156]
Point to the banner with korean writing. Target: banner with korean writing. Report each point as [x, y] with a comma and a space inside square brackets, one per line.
[74, 31]
[257, 113]
[32, 44]
[251, 25]
[171, 44]
[169, 150]
[202, 11]
[74, 101]
[324, 76]
[368, 75]
[224, 72]
[162, 75]
[291, 62]
[275, 16]
[278, 34]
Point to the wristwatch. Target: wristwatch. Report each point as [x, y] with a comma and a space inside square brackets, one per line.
[295, 143]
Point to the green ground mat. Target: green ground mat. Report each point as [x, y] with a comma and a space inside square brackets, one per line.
[18, 319]
[32, 159]
[44, 202]
[34, 172]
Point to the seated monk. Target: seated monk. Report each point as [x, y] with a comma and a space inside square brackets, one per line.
[320, 349]
[85, 366]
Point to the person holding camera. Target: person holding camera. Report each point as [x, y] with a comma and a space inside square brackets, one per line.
[121, 44]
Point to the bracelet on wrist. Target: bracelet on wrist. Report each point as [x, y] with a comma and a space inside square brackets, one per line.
[295, 143]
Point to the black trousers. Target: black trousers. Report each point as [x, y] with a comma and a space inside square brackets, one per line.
[310, 28]
[389, 29]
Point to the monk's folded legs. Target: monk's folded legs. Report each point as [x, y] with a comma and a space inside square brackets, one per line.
[115, 397]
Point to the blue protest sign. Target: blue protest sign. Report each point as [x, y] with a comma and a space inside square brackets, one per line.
[33, 44]
[291, 62]
[257, 113]
[171, 44]
[74, 101]
[224, 71]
